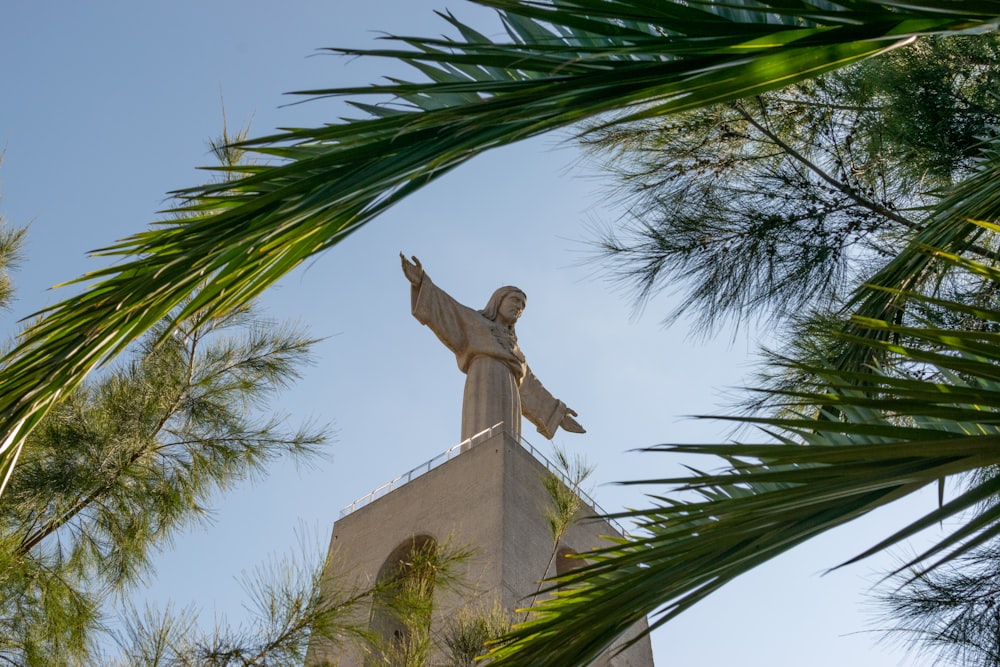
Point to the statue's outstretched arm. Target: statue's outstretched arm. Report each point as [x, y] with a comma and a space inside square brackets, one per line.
[447, 318]
[544, 410]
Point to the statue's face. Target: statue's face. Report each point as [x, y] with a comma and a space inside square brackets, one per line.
[511, 308]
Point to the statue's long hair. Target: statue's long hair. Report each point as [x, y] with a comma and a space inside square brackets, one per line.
[492, 308]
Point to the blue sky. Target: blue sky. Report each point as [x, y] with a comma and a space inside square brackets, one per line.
[109, 105]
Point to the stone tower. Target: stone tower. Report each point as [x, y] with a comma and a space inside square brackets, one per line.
[488, 494]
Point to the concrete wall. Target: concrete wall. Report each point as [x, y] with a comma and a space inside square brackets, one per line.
[490, 498]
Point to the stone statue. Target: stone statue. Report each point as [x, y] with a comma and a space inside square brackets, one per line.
[499, 386]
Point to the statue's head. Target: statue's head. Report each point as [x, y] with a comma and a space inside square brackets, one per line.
[492, 309]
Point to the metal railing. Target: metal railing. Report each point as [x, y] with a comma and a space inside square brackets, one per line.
[463, 446]
[560, 473]
[399, 481]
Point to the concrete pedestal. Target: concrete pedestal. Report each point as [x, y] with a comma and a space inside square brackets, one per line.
[490, 497]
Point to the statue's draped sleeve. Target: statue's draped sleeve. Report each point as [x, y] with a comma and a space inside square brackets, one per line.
[541, 408]
[462, 330]
[435, 308]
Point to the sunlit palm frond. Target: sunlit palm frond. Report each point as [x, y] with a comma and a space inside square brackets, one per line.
[840, 451]
[565, 61]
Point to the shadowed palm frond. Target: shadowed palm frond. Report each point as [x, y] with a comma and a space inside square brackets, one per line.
[856, 441]
[970, 211]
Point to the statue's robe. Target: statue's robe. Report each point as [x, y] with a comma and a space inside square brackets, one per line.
[499, 386]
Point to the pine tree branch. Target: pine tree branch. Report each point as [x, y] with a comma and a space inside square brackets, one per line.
[828, 105]
[30, 540]
[842, 187]
[837, 184]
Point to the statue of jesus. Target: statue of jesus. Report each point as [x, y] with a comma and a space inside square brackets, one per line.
[499, 386]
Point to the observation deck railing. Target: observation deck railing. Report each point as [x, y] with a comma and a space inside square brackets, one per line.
[466, 445]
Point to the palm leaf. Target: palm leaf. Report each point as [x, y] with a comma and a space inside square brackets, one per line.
[867, 447]
[967, 213]
[566, 62]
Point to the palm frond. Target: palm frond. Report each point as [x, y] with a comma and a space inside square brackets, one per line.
[862, 448]
[967, 213]
[566, 61]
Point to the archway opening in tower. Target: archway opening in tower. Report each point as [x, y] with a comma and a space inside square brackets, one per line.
[401, 611]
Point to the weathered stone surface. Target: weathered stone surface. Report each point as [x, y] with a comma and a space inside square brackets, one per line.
[490, 498]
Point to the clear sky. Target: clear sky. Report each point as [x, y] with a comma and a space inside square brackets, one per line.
[108, 105]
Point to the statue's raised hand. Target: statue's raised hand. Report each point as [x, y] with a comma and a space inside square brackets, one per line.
[570, 424]
[414, 271]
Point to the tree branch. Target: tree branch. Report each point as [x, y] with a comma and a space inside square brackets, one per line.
[839, 185]
[842, 187]
[32, 539]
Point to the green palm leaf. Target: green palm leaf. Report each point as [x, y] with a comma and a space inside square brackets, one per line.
[865, 448]
[566, 61]
[966, 214]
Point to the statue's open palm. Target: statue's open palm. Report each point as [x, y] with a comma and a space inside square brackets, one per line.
[414, 271]
[570, 424]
